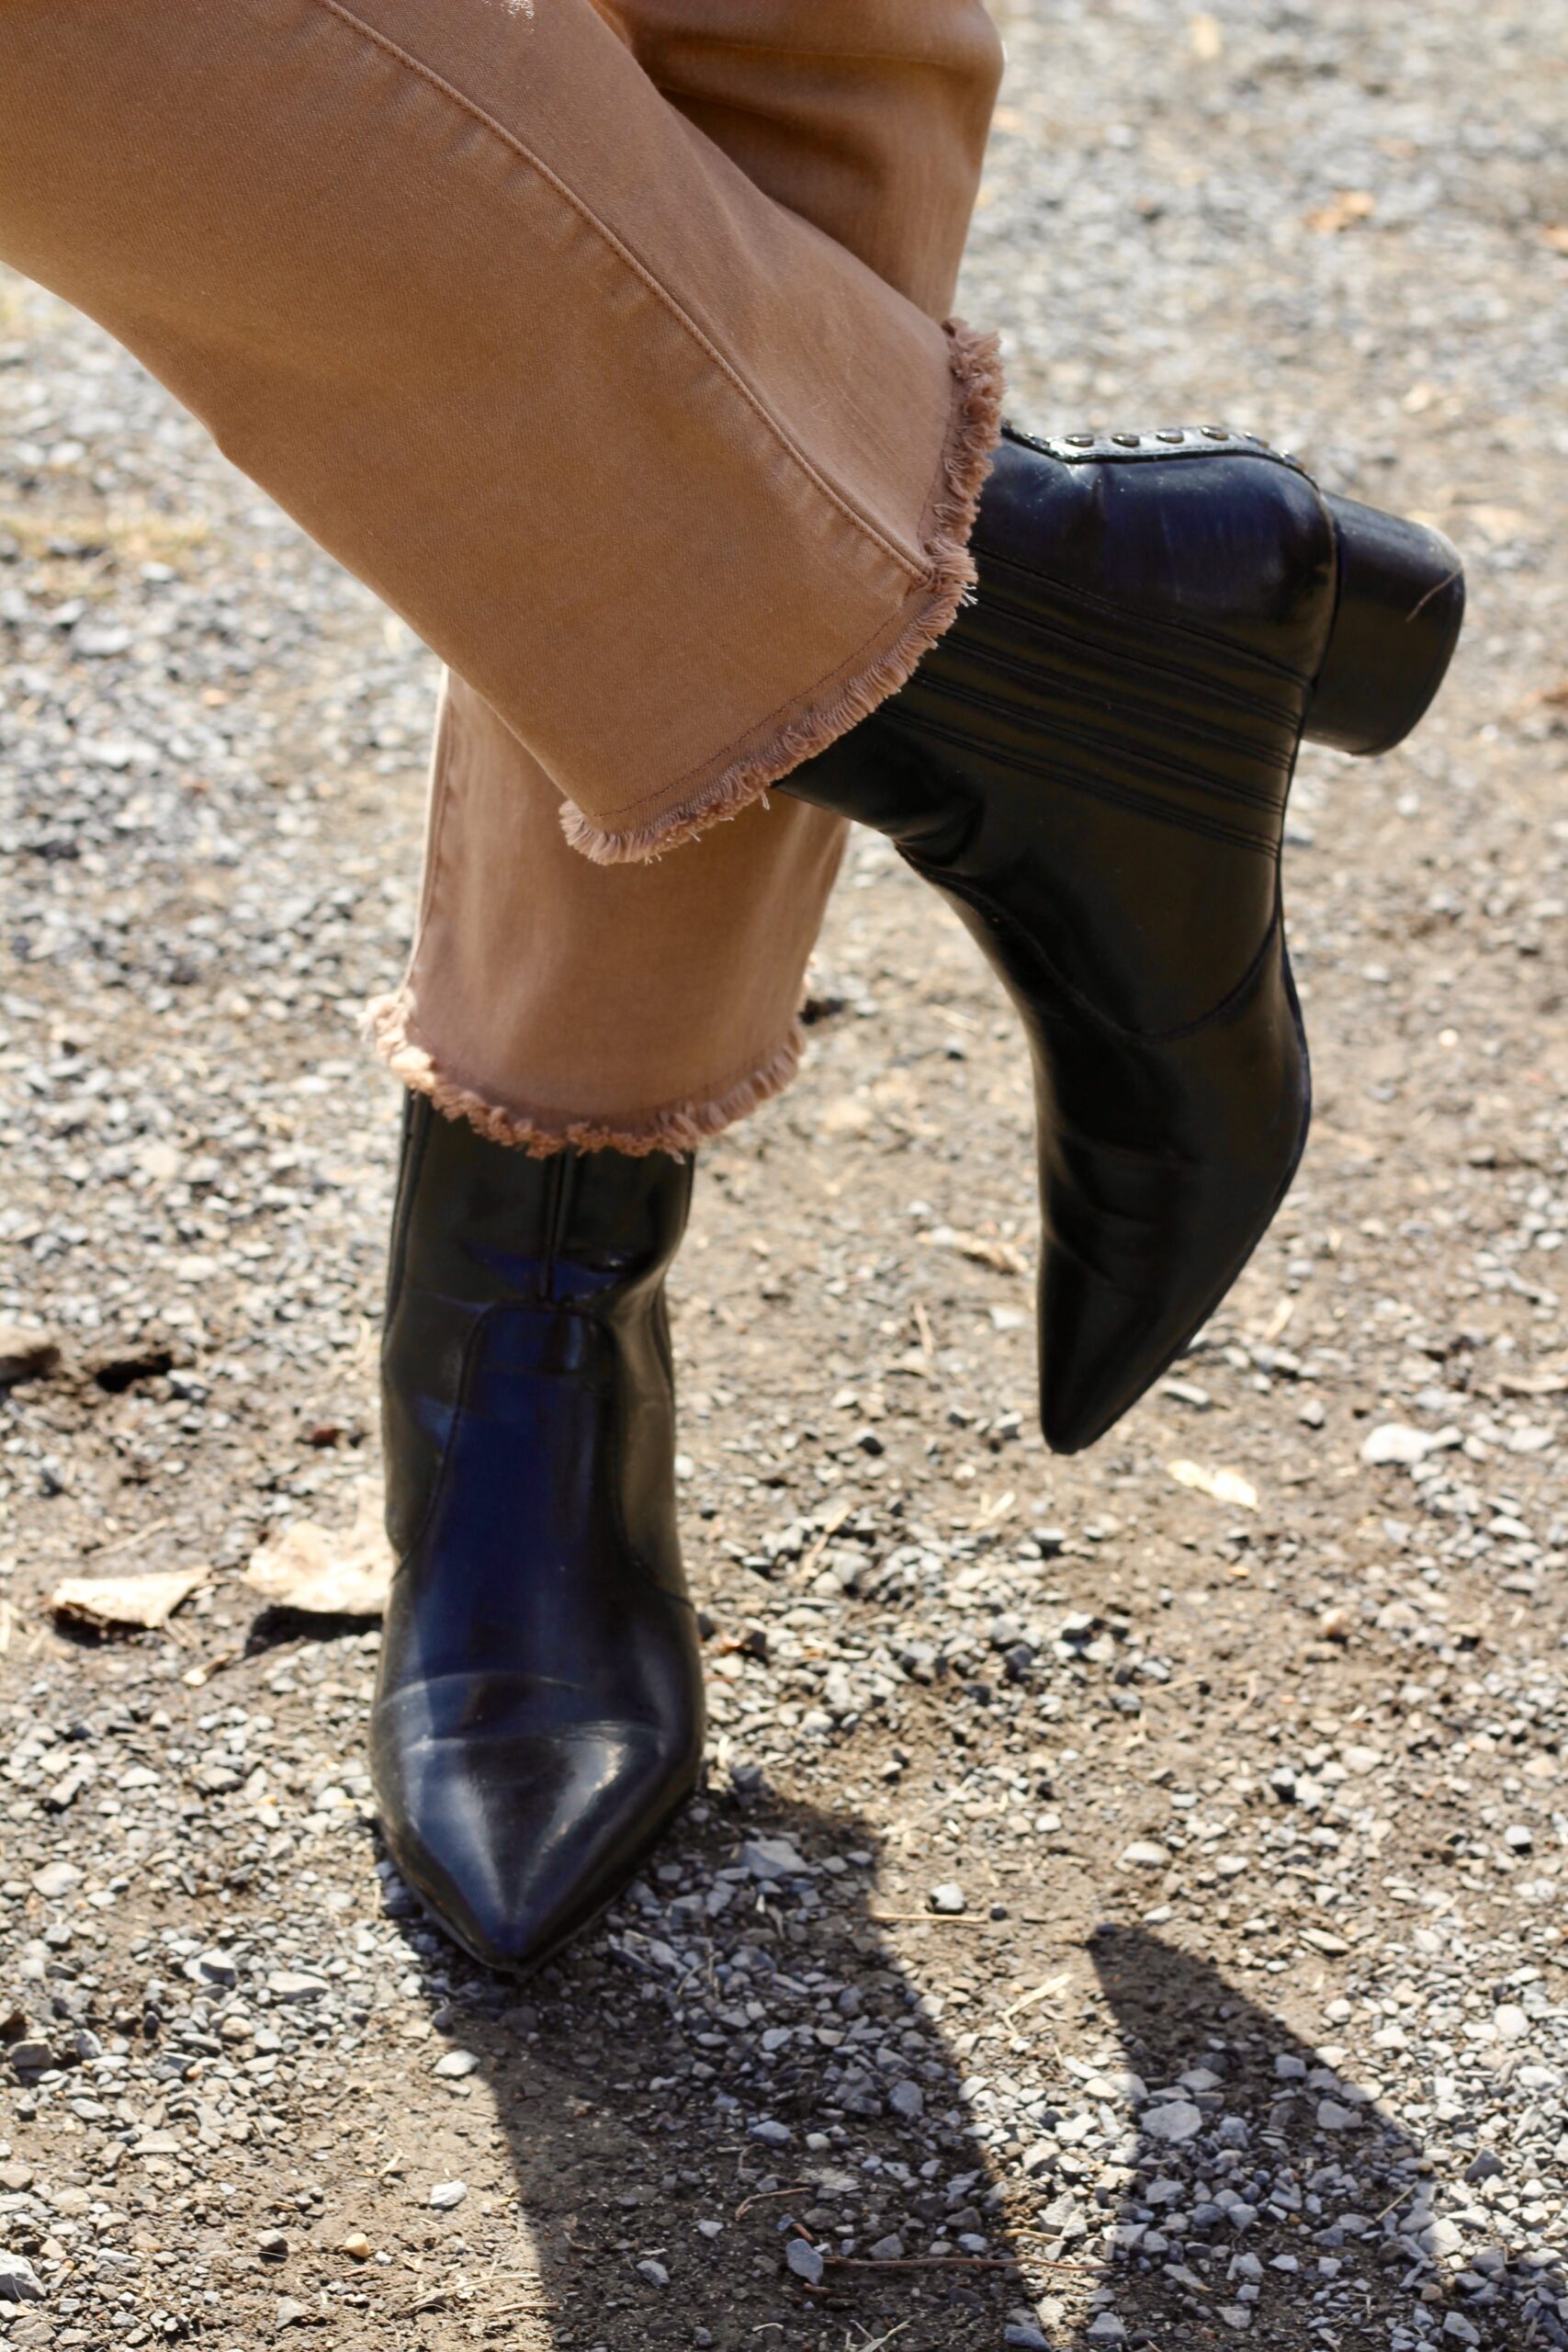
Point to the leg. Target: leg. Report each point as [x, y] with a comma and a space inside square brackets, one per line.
[527, 1007]
[672, 478]
[539, 1713]
[551, 1001]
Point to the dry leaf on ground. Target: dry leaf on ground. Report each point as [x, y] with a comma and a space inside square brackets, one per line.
[327, 1572]
[980, 1249]
[146, 1601]
[1224, 1485]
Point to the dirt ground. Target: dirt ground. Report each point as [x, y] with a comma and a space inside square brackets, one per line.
[1125, 1904]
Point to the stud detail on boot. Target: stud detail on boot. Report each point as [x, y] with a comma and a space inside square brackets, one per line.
[1092, 766]
[538, 1715]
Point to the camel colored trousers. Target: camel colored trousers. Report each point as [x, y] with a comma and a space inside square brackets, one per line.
[602, 338]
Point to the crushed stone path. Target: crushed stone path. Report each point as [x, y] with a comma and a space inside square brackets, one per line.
[1125, 1908]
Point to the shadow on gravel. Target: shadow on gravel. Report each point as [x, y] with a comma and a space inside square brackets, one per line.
[736, 2064]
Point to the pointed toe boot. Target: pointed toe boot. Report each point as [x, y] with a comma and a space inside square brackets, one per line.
[1092, 766]
[538, 1715]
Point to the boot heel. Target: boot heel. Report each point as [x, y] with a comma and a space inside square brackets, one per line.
[1401, 603]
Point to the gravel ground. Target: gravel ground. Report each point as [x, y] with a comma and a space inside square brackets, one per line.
[1124, 1909]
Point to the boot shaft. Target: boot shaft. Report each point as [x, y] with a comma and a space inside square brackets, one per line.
[530, 1292]
[482, 1223]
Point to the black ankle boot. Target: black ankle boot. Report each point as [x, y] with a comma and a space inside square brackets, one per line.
[1091, 765]
[538, 1715]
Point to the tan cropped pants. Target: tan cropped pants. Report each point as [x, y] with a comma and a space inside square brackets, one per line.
[601, 341]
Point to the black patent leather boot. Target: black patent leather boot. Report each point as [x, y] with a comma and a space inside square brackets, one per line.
[539, 1713]
[1092, 766]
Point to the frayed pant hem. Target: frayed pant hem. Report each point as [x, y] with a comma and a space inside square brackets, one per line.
[677, 1128]
[973, 434]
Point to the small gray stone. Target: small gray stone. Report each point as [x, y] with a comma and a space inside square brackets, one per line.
[772, 2134]
[446, 2194]
[907, 2099]
[286, 1986]
[1173, 2121]
[949, 1899]
[456, 2064]
[888, 2249]
[19, 2282]
[773, 1857]
[1024, 2336]
[654, 2272]
[55, 1880]
[1441, 2239]
[102, 644]
[804, 2261]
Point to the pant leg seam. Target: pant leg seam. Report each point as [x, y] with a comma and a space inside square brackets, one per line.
[906, 563]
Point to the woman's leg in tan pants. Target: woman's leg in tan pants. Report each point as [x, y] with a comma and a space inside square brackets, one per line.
[551, 1000]
[673, 479]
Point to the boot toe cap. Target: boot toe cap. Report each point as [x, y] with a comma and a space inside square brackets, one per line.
[516, 1838]
[1118, 1309]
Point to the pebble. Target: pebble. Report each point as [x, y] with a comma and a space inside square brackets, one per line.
[771, 1859]
[19, 2282]
[448, 2194]
[1172, 2122]
[804, 2261]
[286, 1986]
[457, 2065]
[949, 1899]
[56, 1879]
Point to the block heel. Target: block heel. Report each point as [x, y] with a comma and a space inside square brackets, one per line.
[1395, 626]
